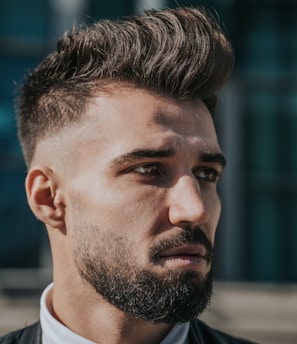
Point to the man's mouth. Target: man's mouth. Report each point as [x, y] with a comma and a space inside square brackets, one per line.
[185, 250]
[187, 255]
[189, 249]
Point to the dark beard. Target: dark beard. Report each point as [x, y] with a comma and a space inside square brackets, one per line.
[178, 296]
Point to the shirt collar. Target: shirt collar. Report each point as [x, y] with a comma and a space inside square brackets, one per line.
[178, 334]
[54, 332]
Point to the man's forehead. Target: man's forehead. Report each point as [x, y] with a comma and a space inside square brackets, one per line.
[142, 105]
[135, 117]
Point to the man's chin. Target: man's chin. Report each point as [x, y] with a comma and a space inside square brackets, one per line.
[191, 294]
[195, 275]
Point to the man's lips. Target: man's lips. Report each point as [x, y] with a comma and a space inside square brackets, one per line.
[193, 256]
[185, 250]
[190, 248]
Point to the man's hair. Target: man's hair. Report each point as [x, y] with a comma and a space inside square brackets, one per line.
[182, 53]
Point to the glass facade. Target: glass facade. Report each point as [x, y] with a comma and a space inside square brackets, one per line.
[257, 122]
[268, 68]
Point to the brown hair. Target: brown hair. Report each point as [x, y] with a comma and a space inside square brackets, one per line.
[181, 53]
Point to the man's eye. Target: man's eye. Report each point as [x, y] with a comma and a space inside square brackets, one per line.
[151, 170]
[208, 174]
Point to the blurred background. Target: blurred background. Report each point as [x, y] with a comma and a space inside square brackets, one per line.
[257, 125]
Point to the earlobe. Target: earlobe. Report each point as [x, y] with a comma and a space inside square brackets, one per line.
[44, 197]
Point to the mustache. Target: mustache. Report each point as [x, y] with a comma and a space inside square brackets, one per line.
[188, 236]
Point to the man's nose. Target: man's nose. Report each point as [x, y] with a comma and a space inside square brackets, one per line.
[186, 203]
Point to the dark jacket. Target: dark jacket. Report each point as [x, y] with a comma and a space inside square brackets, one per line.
[199, 333]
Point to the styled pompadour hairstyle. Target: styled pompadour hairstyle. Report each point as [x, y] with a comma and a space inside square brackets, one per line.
[181, 53]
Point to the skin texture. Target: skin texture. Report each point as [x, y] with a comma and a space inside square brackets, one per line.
[90, 191]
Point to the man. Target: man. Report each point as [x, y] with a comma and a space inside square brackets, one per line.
[123, 162]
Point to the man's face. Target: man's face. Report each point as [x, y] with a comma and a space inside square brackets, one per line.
[141, 202]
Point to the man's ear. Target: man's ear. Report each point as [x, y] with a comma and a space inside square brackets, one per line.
[44, 196]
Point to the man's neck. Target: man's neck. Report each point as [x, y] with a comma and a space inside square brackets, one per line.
[92, 317]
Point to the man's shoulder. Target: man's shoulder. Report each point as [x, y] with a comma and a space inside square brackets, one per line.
[27, 335]
[202, 333]
[199, 333]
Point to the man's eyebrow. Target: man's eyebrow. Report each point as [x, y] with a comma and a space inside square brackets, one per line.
[140, 154]
[217, 158]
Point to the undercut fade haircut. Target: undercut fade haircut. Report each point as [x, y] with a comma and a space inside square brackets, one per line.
[181, 53]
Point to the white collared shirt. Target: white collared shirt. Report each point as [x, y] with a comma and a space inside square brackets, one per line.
[54, 332]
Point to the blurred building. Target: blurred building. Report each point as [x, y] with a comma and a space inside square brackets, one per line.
[257, 123]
